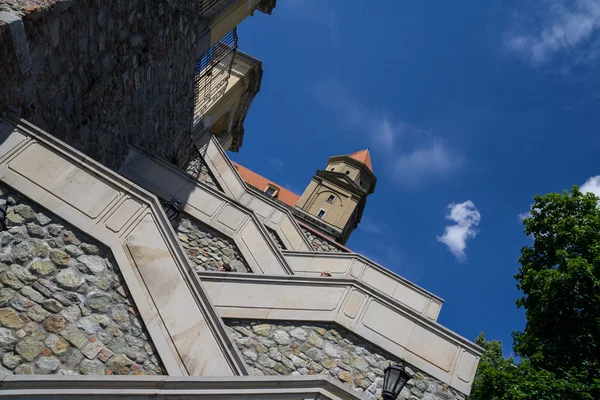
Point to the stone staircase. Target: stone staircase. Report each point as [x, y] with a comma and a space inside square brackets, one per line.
[183, 309]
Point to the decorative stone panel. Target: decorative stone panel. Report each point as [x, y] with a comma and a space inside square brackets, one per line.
[209, 249]
[199, 170]
[296, 348]
[64, 307]
[321, 244]
[275, 238]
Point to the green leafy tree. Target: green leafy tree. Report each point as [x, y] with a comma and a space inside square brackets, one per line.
[560, 280]
[494, 373]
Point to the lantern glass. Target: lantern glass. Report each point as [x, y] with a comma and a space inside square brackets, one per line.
[394, 380]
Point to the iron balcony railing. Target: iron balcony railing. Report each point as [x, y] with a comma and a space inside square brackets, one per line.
[206, 5]
[213, 71]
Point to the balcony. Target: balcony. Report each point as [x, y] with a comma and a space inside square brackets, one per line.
[213, 72]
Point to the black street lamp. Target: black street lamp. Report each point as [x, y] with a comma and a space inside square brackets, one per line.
[394, 379]
[3, 216]
[172, 210]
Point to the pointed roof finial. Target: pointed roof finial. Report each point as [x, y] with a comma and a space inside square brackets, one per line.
[364, 157]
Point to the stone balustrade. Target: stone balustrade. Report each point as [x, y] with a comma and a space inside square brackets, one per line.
[208, 206]
[272, 214]
[189, 336]
[356, 306]
[355, 266]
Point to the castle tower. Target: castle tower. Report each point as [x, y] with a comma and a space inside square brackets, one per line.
[336, 197]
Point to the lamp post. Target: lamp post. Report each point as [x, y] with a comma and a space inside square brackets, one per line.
[394, 379]
[3, 208]
[172, 210]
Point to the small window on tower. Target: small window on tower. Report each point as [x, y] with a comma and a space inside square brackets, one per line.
[270, 191]
[332, 169]
[321, 214]
[347, 172]
[330, 199]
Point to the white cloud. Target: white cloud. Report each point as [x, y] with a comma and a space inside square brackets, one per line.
[524, 215]
[466, 218]
[432, 159]
[277, 165]
[591, 185]
[370, 226]
[414, 156]
[556, 27]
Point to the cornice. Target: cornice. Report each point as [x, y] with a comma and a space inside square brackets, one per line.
[170, 387]
[342, 180]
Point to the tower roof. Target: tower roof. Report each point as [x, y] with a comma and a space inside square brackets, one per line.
[364, 157]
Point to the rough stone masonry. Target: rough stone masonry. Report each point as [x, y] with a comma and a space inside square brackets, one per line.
[208, 249]
[320, 244]
[64, 308]
[296, 348]
[101, 75]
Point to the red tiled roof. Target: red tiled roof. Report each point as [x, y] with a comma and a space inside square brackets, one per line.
[364, 157]
[261, 183]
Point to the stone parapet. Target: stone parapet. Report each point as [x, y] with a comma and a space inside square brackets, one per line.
[210, 207]
[270, 212]
[377, 318]
[188, 334]
[355, 266]
[65, 308]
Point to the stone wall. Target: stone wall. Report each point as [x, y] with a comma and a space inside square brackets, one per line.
[64, 308]
[275, 238]
[208, 249]
[199, 170]
[296, 348]
[105, 74]
[321, 244]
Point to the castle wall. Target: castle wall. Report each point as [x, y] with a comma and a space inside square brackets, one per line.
[208, 249]
[199, 170]
[64, 306]
[320, 244]
[297, 348]
[106, 74]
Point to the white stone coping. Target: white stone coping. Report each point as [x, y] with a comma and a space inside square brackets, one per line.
[241, 224]
[76, 387]
[209, 206]
[356, 266]
[272, 214]
[311, 262]
[188, 333]
[378, 318]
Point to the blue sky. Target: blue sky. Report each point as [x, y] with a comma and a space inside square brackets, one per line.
[469, 108]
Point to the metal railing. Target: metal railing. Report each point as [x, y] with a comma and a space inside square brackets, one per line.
[206, 5]
[213, 71]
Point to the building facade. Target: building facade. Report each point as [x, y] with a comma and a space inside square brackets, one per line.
[131, 245]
